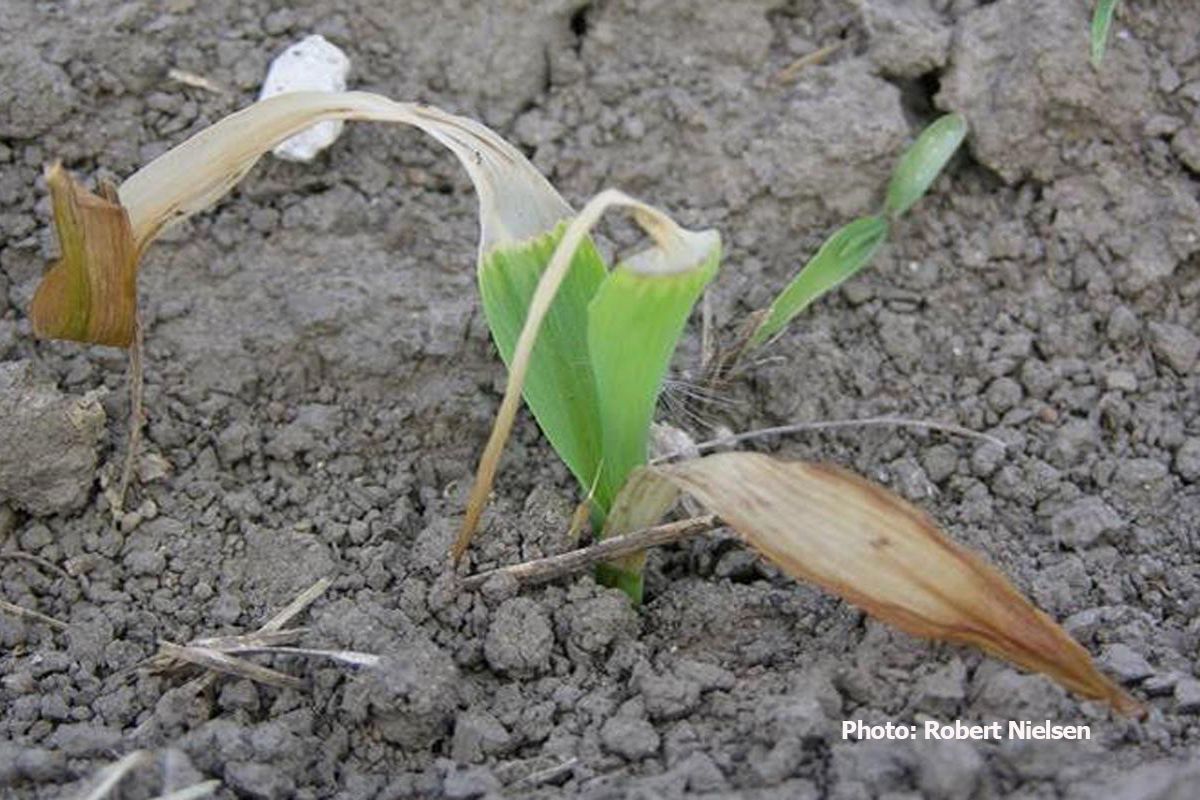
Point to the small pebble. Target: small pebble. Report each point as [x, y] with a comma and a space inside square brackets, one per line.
[470, 783]
[630, 737]
[1123, 325]
[1003, 394]
[1084, 522]
[1187, 695]
[314, 65]
[986, 459]
[1126, 663]
[1174, 345]
[1120, 380]
[1187, 460]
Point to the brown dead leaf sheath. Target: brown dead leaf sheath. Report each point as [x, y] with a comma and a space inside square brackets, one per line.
[858, 540]
[90, 293]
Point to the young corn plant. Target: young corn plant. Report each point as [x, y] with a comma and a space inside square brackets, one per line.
[588, 346]
[591, 361]
[597, 411]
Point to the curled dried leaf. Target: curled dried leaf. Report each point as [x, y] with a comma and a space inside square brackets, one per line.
[90, 293]
[515, 200]
[851, 537]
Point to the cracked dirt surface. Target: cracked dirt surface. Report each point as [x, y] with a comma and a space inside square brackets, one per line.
[320, 382]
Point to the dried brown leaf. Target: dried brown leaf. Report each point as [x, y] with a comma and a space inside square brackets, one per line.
[641, 503]
[856, 539]
[90, 293]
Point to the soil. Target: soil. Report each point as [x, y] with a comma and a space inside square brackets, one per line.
[320, 382]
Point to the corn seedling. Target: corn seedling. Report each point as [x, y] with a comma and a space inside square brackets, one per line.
[588, 347]
[852, 247]
[629, 322]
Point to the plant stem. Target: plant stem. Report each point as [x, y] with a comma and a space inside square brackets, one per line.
[137, 391]
[547, 569]
[628, 581]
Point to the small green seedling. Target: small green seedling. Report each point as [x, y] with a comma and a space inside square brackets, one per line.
[1102, 20]
[588, 347]
[853, 246]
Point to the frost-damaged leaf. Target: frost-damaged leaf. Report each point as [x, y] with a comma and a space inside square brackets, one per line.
[844, 253]
[923, 162]
[863, 543]
[90, 293]
[515, 201]
[643, 500]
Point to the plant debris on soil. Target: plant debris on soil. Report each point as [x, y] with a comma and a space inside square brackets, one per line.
[319, 382]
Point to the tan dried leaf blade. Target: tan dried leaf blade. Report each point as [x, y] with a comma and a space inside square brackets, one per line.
[90, 293]
[858, 540]
[643, 501]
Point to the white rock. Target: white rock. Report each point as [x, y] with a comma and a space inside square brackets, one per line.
[669, 441]
[310, 65]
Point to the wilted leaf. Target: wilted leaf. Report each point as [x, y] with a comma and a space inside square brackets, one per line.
[90, 293]
[863, 543]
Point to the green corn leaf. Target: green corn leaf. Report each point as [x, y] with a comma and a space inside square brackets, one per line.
[1101, 23]
[634, 323]
[922, 162]
[559, 387]
[844, 253]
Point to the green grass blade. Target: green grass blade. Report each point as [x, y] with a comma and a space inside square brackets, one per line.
[559, 387]
[1101, 23]
[921, 163]
[634, 323]
[844, 253]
